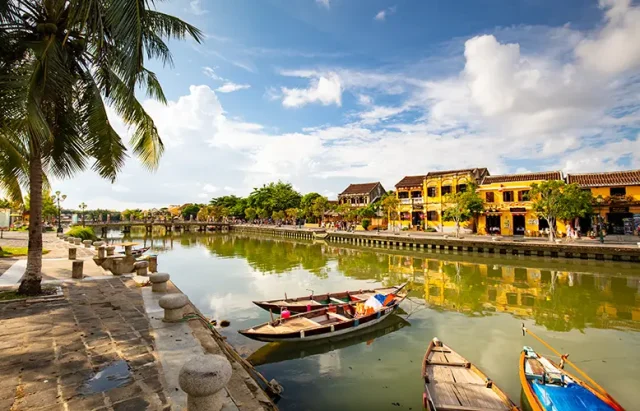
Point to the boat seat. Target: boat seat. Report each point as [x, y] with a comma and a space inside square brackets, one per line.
[336, 301]
[338, 316]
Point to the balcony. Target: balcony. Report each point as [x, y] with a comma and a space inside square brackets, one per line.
[417, 200]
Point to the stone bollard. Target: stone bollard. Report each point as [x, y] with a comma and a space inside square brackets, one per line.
[153, 263]
[173, 305]
[72, 253]
[141, 268]
[159, 282]
[77, 241]
[64, 237]
[128, 250]
[102, 251]
[116, 268]
[87, 243]
[76, 269]
[111, 250]
[203, 379]
[97, 244]
[69, 239]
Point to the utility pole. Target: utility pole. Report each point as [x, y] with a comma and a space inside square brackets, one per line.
[58, 198]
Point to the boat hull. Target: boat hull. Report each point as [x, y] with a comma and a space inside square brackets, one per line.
[323, 332]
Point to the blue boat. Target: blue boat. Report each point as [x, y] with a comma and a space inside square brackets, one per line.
[547, 387]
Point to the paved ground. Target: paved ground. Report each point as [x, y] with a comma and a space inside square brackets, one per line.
[56, 247]
[49, 350]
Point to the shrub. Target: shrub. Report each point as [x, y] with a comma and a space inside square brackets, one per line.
[366, 223]
[86, 233]
[430, 230]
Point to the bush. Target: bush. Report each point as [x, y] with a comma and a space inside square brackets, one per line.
[431, 230]
[366, 223]
[85, 233]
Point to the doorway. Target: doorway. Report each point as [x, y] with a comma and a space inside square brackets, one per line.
[493, 224]
[518, 225]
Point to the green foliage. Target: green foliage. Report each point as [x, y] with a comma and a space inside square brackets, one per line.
[16, 251]
[365, 223]
[274, 197]
[262, 213]
[86, 233]
[190, 210]
[4, 203]
[278, 215]
[307, 202]
[369, 211]
[462, 206]
[235, 205]
[554, 199]
[390, 205]
[136, 214]
[250, 213]
[292, 213]
[318, 206]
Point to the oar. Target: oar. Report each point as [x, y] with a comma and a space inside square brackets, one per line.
[564, 358]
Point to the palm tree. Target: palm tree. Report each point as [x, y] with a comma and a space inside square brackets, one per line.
[60, 62]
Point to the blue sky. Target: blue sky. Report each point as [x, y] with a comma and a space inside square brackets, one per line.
[322, 93]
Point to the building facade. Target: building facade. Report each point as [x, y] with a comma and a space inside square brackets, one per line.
[508, 208]
[361, 195]
[439, 184]
[410, 193]
[616, 199]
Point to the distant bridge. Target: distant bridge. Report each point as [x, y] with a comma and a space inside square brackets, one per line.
[169, 226]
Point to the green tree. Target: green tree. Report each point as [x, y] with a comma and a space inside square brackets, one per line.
[250, 213]
[274, 197]
[292, 213]
[61, 62]
[366, 223]
[278, 215]
[463, 206]
[318, 207]
[390, 205]
[262, 213]
[49, 208]
[554, 199]
[306, 202]
[190, 210]
[4, 203]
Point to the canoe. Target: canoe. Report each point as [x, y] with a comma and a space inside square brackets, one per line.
[327, 322]
[284, 351]
[312, 302]
[547, 387]
[453, 383]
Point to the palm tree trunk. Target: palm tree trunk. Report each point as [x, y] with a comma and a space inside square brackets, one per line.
[30, 284]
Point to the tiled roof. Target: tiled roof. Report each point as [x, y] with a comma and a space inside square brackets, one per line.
[411, 181]
[613, 178]
[364, 188]
[509, 178]
[461, 171]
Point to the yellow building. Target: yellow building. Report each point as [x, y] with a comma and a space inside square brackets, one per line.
[410, 193]
[617, 198]
[507, 205]
[437, 185]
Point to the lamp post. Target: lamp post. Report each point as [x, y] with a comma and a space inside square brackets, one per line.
[59, 198]
[83, 207]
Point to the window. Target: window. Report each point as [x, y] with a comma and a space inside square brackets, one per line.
[432, 191]
[403, 194]
[416, 194]
[523, 195]
[446, 190]
[461, 188]
[507, 196]
[432, 216]
[489, 197]
[618, 191]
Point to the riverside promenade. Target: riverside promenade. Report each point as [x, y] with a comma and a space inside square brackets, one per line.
[615, 248]
[100, 343]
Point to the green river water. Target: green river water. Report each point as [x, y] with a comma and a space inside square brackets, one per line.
[474, 303]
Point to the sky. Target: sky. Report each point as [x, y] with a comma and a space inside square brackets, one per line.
[324, 93]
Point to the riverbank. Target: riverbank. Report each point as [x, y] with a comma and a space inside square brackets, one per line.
[582, 249]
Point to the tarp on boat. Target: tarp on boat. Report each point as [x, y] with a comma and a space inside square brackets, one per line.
[572, 397]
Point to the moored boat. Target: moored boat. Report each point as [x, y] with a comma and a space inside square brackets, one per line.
[326, 322]
[312, 302]
[548, 387]
[451, 383]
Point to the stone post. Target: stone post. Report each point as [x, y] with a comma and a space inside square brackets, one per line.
[203, 379]
[102, 251]
[69, 239]
[153, 263]
[116, 268]
[87, 243]
[159, 282]
[173, 305]
[76, 269]
[97, 244]
[111, 250]
[128, 250]
[77, 241]
[141, 268]
[72, 253]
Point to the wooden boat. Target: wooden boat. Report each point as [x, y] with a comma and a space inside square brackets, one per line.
[547, 387]
[453, 383]
[326, 322]
[137, 252]
[284, 351]
[312, 302]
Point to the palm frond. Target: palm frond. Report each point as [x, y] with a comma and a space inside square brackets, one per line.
[168, 26]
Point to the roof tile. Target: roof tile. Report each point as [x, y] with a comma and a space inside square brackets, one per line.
[607, 179]
[364, 188]
[411, 181]
[509, 178]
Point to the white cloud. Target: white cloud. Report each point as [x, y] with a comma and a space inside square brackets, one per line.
[195, 6]
[382, 14]
[324, 3]
[325, 89]
[118, 188]
[615, 48]
[209, 188]
[210, 72]
[230, 87]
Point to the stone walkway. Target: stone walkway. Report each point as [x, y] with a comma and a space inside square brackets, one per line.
[57, 248]
[50, 350]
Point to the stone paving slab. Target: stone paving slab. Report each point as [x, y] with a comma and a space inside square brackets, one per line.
[49, 350]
